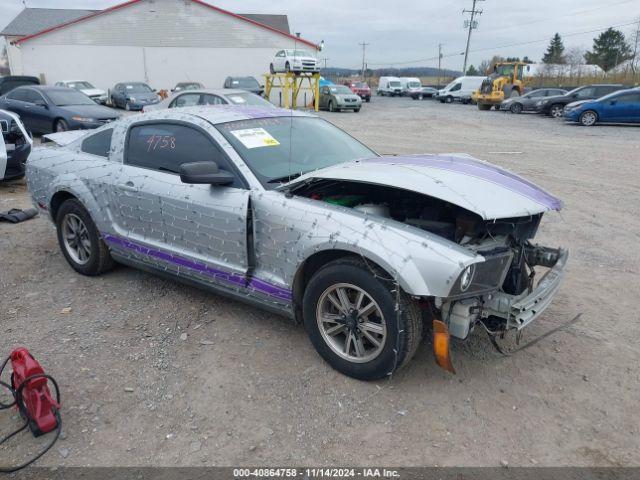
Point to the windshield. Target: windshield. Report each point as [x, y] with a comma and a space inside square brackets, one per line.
[414, 84]
[361, 85]
[248, 99]
[137, 88]
[63, 98]
[394, 83]
[80, 85]
[278, 148]
[298, 53]
[188, 86]
[341, 90]
[245, 83]
[505, 70]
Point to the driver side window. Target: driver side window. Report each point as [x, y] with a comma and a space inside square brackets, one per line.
[456, 87]
[166, 146]
[586, 93]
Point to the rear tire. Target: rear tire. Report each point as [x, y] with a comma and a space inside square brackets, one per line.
[367, 346]
[287, 67]
[271, 69]
[556, 110]
[80, 240]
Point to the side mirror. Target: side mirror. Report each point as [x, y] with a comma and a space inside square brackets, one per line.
[204, 173]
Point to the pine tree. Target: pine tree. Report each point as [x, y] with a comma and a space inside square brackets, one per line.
[472, 71]
[555, 51]
[610, 49]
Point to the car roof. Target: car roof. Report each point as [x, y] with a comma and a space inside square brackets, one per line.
[221, 114]
[213, 91]
[45, 88]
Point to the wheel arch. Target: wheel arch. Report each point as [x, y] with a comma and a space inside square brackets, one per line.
[58, 199]
[313, 264]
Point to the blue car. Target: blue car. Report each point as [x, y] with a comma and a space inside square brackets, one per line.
[44, 109]
[133, 95]
[619, 107]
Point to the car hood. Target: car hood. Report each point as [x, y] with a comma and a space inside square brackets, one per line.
[477, 186]
[92, 92]
[90, 111]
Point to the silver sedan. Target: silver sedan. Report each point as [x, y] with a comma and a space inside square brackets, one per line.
[287, 212]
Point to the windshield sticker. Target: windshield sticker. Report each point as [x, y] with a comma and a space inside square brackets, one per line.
[255, 138]
[236, 99]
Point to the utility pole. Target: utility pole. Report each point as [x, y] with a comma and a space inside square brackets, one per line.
[634, 62]
[439, 63]
[471, 24]
[364, 46]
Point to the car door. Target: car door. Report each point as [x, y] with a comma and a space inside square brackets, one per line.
[324, 97]
[15, 101]
[39, 112]
[118, 95]
[197, 231]
[622, 108]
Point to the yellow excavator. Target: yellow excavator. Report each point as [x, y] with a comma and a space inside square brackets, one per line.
[507, 80]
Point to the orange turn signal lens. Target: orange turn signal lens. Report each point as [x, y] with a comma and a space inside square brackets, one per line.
[441, 345]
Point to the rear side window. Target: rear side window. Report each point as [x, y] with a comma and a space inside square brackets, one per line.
[98, 143]
[20, 94]
[629, 98]
[212, 100]
[186, 100]
[166, 146]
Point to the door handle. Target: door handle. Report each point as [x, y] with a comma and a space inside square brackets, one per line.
[130, 186]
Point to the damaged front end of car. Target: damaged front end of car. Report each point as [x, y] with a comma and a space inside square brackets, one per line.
[491, 213]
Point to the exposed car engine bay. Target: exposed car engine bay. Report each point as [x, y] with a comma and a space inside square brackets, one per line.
[17, 146]
[494, 239]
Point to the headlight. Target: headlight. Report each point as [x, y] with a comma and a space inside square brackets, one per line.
[84, 119]
[132, 99]
[467, 277]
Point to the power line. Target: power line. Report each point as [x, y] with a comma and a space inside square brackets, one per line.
[472, 25]
[408, 62]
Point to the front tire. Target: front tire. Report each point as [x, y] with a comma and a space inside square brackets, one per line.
[588, 118]
[60, 126]
[448, 99]
[359, 322]
[516, 108]
[331, 106]
[127, 106]
[271, 69]
[80, 240]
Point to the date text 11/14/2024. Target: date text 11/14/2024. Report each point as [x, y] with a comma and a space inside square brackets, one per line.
[325, 472]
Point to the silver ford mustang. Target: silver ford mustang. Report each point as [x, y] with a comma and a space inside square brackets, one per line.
[286, 211]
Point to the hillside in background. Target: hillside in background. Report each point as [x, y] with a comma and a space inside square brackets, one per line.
[393, 72]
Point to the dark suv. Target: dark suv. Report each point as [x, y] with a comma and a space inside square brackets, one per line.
[554, 106]
[12, 81]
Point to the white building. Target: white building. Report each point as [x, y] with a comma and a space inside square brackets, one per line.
[161, 42]
[563, 70]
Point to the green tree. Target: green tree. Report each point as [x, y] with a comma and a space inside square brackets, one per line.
[610, 49]
[555, 51]
[472, 71]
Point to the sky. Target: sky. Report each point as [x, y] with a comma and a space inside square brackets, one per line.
[407, 33]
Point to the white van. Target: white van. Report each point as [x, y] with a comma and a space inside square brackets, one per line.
[389, 86]
[460, 89]
[410, 85]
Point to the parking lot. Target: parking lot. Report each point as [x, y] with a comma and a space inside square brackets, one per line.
[156, 373]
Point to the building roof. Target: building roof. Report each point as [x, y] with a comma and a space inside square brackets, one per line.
[279, 22]
[40, 21]
[33, 20]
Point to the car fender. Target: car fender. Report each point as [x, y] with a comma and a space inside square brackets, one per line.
[3, 159]
[289, 231]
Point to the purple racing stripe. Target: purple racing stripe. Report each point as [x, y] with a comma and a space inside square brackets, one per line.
[476, 168]
[249, 283]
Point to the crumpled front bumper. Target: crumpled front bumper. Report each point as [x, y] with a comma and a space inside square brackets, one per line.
[520, 311]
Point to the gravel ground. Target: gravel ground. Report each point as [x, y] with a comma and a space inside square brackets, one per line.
[246, 387]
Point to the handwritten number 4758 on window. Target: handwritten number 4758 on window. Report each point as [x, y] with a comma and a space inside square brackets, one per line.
[161, 142]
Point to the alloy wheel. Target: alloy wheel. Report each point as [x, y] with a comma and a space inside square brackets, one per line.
[588, 119]
[76, 239]
[351, 323]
